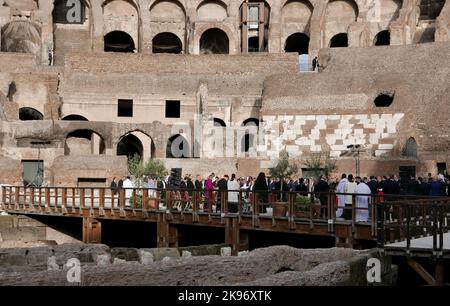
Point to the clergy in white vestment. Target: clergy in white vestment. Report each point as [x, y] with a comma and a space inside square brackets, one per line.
[362, 201]
[128, 186]
[341, 197]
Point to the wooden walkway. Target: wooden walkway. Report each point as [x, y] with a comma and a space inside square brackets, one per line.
[298, 214]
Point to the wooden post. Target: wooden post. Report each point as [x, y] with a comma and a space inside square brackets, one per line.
[439, 273]
[122, 203]
[32, 198]
[232, 235]
[167, 234]
[47, 199]
[82, 198]
[92, 230]
[101, 202]
[64, 201]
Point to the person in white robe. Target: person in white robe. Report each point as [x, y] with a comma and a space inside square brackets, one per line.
[362, 201]
[128, 186]
[341, 197]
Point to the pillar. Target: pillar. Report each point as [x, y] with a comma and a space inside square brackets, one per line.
[167, 234]
[232, 235]
[92, 230]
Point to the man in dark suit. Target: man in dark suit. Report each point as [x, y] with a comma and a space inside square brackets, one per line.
[222, 185]
[321, 190]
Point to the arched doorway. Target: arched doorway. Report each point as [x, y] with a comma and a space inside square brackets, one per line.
[383, 38]
[130, 146]
[28, 113]
[219, 122]
[251, 122]
[118, 41]
[253, 44]
[74, 118]
[167, 43]
[177, 147]
[297, 42]
[214, 41]
[339, 40]
[84, 142]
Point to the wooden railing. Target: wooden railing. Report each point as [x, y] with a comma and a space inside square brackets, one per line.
[413, 219]
[295, 207]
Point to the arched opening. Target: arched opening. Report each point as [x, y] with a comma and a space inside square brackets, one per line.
[383, 38]
[219, 122]
[247, 142]
[167, 10]
[130, 146]
[251, 122]
[118, 41]
[339, 40]
[214, 41]
[212, 10]
[384, 100]
[167, 43]
[177, 147]
[21, 36]
[84, 142]
[410, 149]
[74, 118]
[339, 15]
[297, 42]
[28, 113]
[253, 44]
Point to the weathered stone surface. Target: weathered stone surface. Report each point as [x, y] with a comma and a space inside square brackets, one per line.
[127, 254]
[279, 265]
[160, 253]
[103, 260]
[146, 257]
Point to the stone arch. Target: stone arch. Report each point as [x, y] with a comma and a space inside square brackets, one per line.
[122, 16]
[167, 42]
[84, 142]
[296, 17]
[212, 10]
[383, 38]
[178, 147]
[29, 113]
[247, 142]
[217, 122]
[204, 27]
[339, 15]
[74, 117]
[410, 149]
[119, 41]
[214, 41]
[136, 141]
[167, 9]
[21, 36]
[339, 41]
[251, 122]
[297, 42]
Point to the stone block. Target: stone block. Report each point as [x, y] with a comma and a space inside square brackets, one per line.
[160, 253]
[127, 254]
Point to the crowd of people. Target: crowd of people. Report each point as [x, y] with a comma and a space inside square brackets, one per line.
[348, 189]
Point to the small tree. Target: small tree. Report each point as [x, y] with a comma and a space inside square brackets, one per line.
[139, 169]
[283, 167]
[320, 163]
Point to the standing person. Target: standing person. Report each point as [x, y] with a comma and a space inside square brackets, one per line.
[362, 201]
[321, 190]
[113, 186]
[209, 187]
[128, 186]
[349, 190]
[119, 184]
[341, 197]
[233, 194]
[222, 186]
[315, 63]
[198, 183]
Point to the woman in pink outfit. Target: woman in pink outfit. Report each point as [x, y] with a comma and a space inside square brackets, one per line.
[209, 187]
